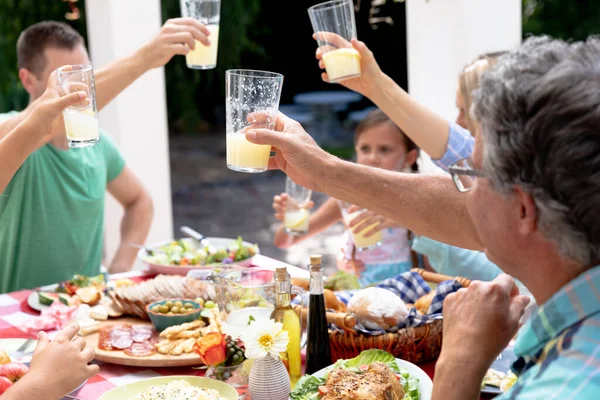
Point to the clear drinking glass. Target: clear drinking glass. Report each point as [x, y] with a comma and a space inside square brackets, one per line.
[334, 24]
[296, 212]
[252, 101]
[360, 240]
[81, 120]
[208, 12]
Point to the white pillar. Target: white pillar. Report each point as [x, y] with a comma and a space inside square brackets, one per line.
[137, 118]
[444, 35]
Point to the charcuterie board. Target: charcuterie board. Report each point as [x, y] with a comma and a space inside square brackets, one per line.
[120, 357]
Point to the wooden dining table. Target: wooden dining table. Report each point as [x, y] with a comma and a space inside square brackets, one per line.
[14, 310]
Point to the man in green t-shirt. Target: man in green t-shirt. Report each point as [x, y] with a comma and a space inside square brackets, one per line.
[51, 213]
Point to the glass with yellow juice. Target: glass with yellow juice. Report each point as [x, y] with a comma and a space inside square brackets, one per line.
[361, 241]
[297, 214]
[208, 12]
[252, 102]
[334, 25]
[81, 120]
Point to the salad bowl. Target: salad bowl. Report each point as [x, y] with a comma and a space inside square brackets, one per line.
[182, 255]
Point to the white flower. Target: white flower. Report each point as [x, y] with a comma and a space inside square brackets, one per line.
[266, 337]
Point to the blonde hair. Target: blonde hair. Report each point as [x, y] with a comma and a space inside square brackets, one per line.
[469, 79]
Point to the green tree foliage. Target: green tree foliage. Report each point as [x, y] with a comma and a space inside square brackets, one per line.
[194, 96]
[565, 19]
[15, 16]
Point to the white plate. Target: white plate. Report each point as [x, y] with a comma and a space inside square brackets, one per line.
[34, 301]
[11, 345]
[425, 383]
[503, 365]
[217, 242]
[129, 390]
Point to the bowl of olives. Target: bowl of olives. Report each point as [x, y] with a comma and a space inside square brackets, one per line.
[166, 313]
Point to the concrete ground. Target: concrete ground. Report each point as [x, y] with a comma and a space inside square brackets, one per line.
[216, 201]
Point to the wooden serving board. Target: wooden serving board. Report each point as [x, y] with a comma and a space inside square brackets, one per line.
[155, 360]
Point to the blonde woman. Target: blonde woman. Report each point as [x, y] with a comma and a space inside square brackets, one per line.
[468, 81]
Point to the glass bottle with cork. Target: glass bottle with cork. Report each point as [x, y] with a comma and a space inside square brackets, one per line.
[285, 314]
[318, 352]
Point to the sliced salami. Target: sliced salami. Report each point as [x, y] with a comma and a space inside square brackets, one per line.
[143, 349]
[122, 342]
[104, 342]
[141, 333]
[117, 333]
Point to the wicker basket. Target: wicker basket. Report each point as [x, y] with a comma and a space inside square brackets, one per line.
[418, 344]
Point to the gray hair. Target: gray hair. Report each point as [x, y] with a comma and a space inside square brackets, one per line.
[539, 112]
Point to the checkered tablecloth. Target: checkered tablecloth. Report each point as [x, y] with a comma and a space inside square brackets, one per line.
[15, 310]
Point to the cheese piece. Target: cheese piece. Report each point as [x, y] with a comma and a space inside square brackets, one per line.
[99, 313]
[89, 328]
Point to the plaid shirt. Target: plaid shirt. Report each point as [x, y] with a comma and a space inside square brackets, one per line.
[460, 145]
[559, 347]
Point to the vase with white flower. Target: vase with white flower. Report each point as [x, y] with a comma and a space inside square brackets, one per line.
[266, 343]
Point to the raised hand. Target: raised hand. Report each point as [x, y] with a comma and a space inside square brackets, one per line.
[370, 70]
[296, 152]
[46, 114]
[177, 36]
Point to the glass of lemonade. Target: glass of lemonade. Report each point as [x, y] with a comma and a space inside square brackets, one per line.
[208, 12]
[361, 241]
[81, 120]
[296, 211]
[334, 24]
[251, 101]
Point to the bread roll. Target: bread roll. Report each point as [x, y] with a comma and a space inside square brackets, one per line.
[423, 303]
[377, 308]
[332, 302]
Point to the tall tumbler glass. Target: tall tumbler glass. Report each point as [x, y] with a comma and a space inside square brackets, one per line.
[208, 12]
[361, 241]
[252, 101]
[81, 120]
[296, 211]
[334, 25]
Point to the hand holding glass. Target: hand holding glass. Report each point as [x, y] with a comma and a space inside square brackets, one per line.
[81, 120]
[297, 214]
[360, 240]
[334, 26]
[252, 101]
[208, 12]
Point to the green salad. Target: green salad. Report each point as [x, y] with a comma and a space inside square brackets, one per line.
[184, 252]
[307, 387]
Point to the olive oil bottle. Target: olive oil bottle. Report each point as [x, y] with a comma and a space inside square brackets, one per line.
[285, 314]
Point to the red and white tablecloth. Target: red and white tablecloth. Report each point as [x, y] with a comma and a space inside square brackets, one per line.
[14, 310]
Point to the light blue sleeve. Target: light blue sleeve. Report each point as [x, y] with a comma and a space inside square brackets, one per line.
[455, 261]
[460, 145]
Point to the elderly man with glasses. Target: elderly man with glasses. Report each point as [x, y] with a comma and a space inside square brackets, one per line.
[533, 187]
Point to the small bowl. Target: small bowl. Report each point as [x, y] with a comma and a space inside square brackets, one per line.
[163, 321]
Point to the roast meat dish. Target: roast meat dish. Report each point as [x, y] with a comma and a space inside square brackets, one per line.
[377, 382]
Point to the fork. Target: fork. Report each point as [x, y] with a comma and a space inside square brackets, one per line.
[23, 347]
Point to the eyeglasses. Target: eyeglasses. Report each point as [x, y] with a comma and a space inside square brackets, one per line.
[464, 175]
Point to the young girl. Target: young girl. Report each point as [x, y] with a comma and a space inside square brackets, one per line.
[378, 143]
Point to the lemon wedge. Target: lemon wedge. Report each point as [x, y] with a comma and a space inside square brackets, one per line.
[296, 219]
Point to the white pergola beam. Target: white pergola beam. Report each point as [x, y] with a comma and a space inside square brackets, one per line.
[137, 118]
[445, 35]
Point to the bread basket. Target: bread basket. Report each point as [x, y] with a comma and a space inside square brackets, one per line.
[413, 344]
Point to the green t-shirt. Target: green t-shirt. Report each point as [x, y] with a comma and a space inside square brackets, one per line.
[52, 214]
